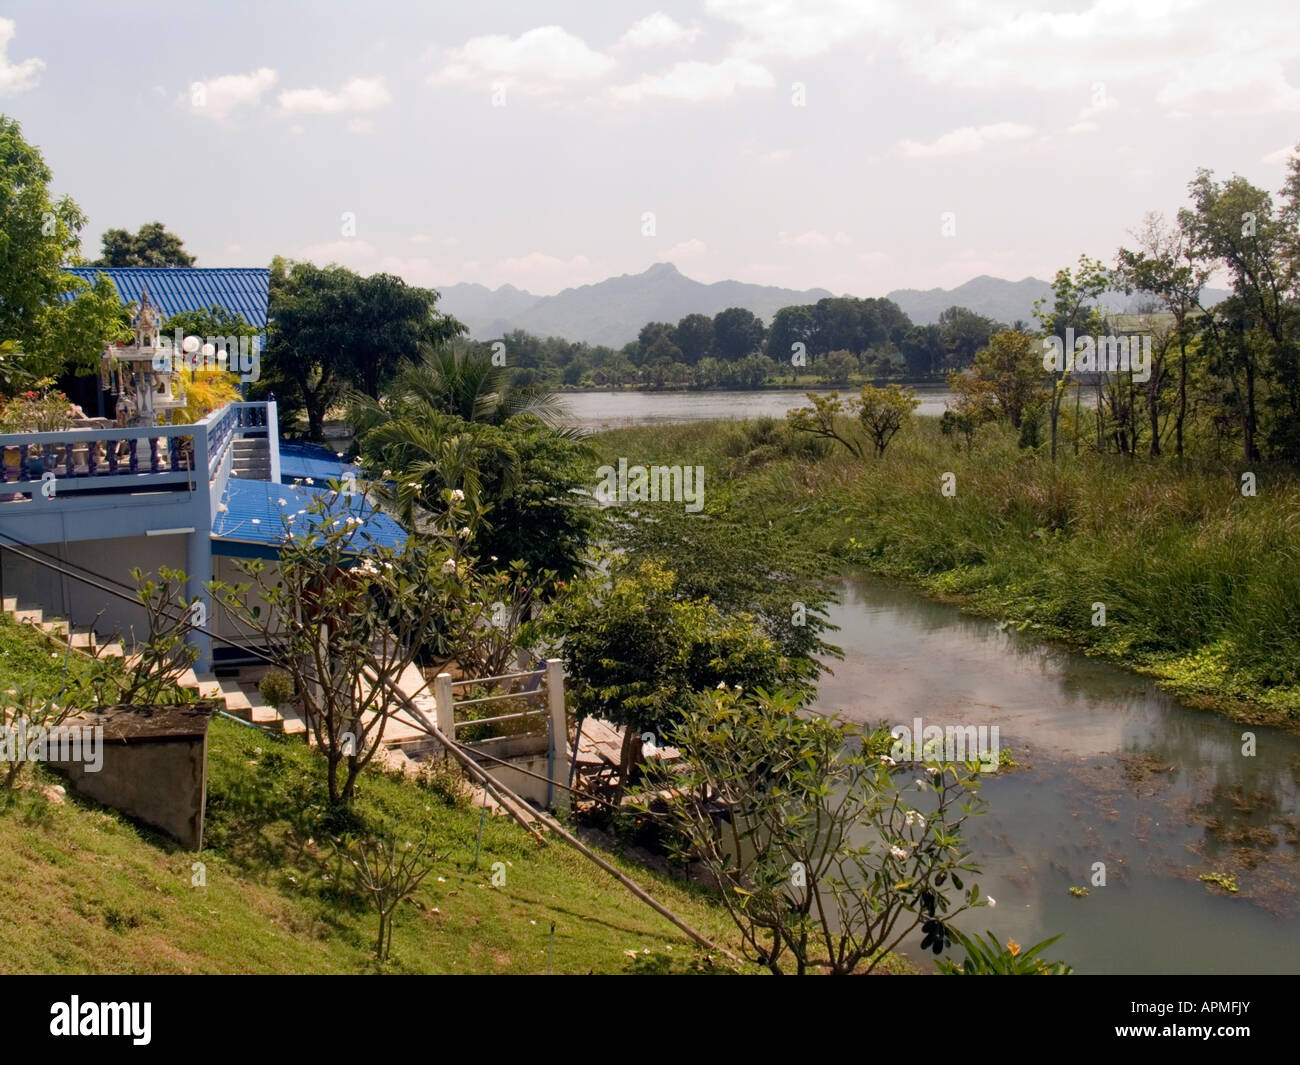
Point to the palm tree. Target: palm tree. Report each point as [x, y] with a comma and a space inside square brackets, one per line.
[437, 452]
[464, 381]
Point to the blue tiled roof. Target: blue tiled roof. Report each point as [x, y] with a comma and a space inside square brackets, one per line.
[253, 521]
[299, 461]
[243, 290]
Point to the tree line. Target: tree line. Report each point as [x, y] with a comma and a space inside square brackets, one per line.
[1219, 376]
[829, 341]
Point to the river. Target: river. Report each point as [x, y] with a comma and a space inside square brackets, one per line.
[1111, 770]
[613, 410]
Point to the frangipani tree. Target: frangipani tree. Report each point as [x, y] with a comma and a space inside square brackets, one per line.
[828, 854]
[347, 617]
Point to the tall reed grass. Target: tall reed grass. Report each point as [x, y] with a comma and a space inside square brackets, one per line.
[1201, 585]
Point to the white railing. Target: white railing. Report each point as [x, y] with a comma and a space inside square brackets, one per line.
[548, 683]
[140, 458]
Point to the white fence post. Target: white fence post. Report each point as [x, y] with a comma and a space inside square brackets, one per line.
[559, 731]
[446, 710]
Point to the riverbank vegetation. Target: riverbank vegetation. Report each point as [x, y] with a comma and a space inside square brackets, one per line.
[1200, 585]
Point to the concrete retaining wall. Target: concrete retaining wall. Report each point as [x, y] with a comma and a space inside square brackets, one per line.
[155, 766]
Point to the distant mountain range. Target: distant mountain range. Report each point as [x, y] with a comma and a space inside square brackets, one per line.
[613, 311]
[1004, 301]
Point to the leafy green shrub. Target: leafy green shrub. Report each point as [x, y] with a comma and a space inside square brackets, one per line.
[276, 688]
[987, 957]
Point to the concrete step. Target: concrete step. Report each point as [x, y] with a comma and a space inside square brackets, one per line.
[55, 628]
[9, 603]
[29, 616]
[294, 725]
[207, 685]
[263, 713]
[112, 650]
[237, 702]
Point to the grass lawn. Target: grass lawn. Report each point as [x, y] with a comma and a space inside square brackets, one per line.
[88, 891]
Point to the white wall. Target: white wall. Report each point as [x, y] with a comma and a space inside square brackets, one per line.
[61, 596]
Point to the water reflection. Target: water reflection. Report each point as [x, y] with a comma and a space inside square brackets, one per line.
[1113, 771]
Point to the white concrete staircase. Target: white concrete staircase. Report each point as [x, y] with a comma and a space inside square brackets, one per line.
[240, 699]
[250, 459]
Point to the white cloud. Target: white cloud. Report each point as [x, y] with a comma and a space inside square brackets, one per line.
[15, 77]
[358, 94]
[1281, 155]
[966, 139]
[1194, 61]
[217, 98]
[360, 125]
[687, 249]
[366, 258]
[1084, 123]
[541, 59]
[658, 31]
[696, 82]
[800, 29]
[1240, 86]
[813, 238]
[777, 155]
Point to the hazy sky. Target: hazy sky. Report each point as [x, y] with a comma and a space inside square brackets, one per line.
[794, 142]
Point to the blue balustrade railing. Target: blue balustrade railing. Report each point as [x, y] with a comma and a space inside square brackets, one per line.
[142, 458]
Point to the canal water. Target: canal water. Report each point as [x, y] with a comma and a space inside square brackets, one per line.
[1112, 770]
